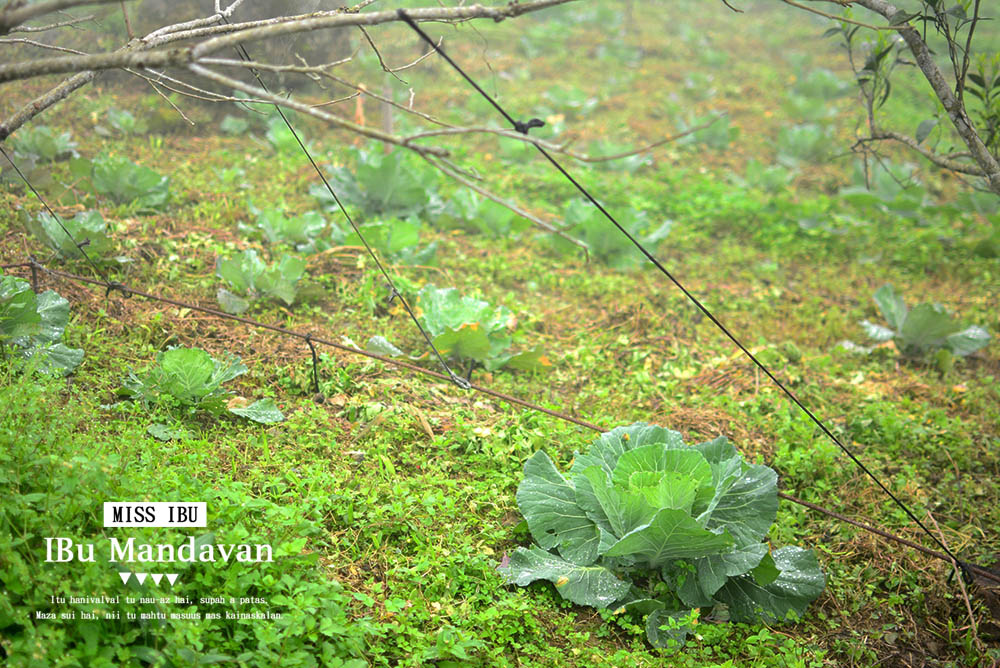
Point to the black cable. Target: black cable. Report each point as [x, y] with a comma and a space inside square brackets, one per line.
[523, 129]
[394, 292]
[79, 245]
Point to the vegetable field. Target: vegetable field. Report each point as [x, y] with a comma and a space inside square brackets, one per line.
[472, 422]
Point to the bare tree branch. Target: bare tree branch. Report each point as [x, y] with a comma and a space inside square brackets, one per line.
[40, 45]
[555, 148]
[53, 26]
[16, 13]
[845, 19]
[178, 57]
[262, 94]
[43, 102]
[952, 105]
[196, 23]
[939, 160]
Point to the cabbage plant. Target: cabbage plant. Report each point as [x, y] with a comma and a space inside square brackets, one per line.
[465, 329]
[252, 278]
[32, 326]
[191, 379]
[86, 227]
[644, 523]
[924, 328]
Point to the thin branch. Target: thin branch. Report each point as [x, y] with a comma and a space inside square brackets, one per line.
[44, 101]
[953, 106]
[429, 52]
[960, 81]
[41, 45]
[196, 23]
[53, 26]
[128, 22]
[201, 93]
[378, 54]
[17, 13]
[269, 67]
[336, 20]
[310, 111]
[965, 595]
[183, 56]
[387, 100]
[819, 12]
[939, 160]
[549, 146]
[159, 92]
[330, 103]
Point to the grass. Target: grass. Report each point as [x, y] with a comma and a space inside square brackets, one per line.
[390, 504]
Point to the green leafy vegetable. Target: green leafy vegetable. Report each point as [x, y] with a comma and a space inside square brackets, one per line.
[263, 411]
[469, 211]
[628, 163]
[399, 240]
[124, 181]
[887, 187]
[718, 135]
[585, 222]
[807, 142]
[191, 379]
[234, 125]
[280, 137]
[304, 231]
[42, 144]
[87, 227]
[645, 523]
[465, 328]
[251, 278]
[122, 122]
[924, 329]
[394, 184]
[31, 326]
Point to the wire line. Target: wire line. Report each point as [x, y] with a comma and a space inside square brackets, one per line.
[523, 128]
[394, 292]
